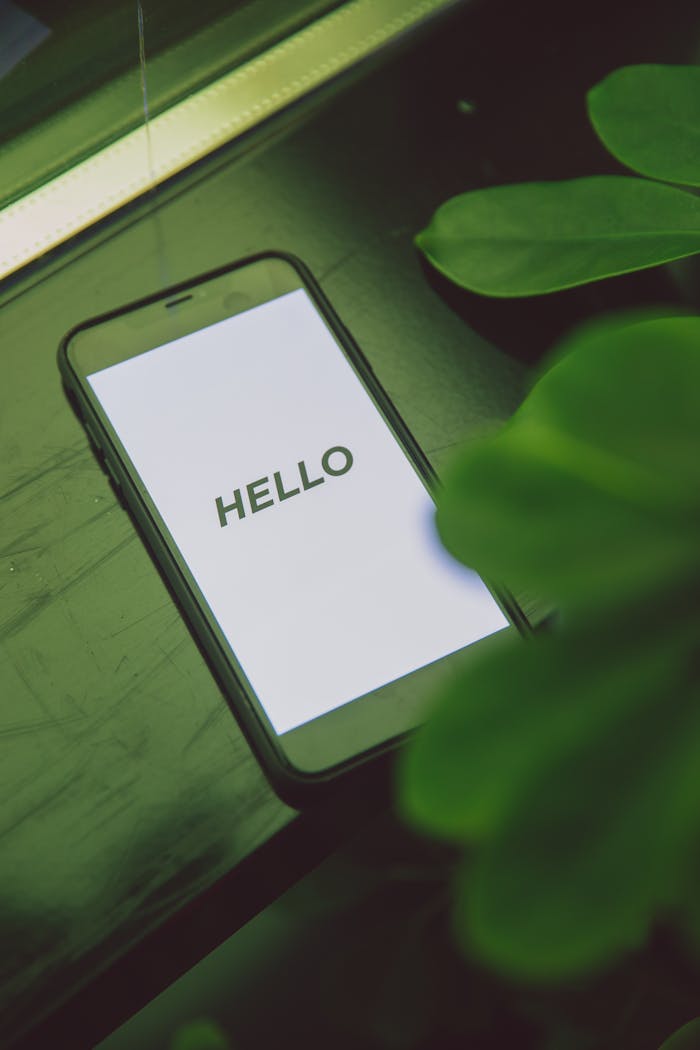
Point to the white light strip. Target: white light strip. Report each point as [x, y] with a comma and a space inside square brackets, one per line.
[201, 123]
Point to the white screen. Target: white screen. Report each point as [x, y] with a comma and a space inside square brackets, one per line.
[334, 591]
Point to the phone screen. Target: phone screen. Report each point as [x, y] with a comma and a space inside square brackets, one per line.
[306, 527]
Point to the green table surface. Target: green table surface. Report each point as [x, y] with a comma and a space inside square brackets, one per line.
[127, 791]
[127, 787]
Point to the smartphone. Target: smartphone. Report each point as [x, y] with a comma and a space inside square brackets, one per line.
[288, 507]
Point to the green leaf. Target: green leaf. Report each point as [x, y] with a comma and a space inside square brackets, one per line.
[648, 116]
[539, 237]
[591, 493]
[200, 1035]
[569, 763]
[688, 903]
[595, 843]
[513, 708]
[686, 1038]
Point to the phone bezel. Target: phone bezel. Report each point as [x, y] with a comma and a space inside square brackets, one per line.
[346, 736]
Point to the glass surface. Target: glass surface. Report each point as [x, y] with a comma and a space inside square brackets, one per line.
[77, 75]
[308, 531]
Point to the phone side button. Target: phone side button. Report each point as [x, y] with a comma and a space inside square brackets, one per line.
[92, 436]
[116, 484]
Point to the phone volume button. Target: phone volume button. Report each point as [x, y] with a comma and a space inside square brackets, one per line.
[115, 482]
[93, 437]
[112, 473]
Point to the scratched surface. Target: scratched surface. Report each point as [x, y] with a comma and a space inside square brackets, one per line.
[126, 787]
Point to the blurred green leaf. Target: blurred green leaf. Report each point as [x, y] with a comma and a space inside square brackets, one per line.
[513, 709]
[200, 1035]
[572, 763]
[688, 906]
[591, 493]
[648, 116]
[569, 764]
[586, 855]
[686, 1038]
[538, 237]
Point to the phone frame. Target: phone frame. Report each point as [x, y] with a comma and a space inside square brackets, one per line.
[294, 777]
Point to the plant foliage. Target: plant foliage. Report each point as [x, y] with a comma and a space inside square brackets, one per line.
[569, 765]
[200, 1035]
[539, 237]
[686, 1038]
[648, 116]
[535, 238]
